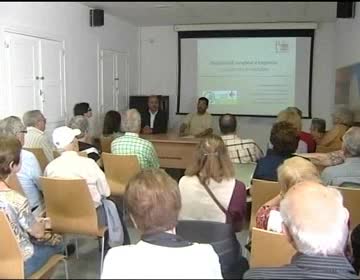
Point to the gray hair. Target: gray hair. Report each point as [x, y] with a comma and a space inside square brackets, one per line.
[31, 118]
[79, 122]
[351, 141]
[326, 240]
[343, 115]
[131, 121]
[10, 126]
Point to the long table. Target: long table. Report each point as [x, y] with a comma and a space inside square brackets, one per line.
[173, 151]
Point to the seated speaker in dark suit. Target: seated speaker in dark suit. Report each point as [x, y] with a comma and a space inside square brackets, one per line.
[153, 120]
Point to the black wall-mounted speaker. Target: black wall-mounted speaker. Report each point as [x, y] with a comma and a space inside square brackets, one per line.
[96, 17]
[345, 9]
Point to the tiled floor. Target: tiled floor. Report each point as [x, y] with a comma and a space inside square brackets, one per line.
[88, 264]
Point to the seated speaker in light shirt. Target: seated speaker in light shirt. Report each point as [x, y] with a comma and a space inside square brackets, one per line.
[153, 120]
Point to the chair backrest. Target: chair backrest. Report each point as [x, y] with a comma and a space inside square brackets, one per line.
[119, 170]
[270, 249]
[69, 206]
[351, 198]
[14, 183]
[40, 156]
[105, 144]
[11, 259]
[261, 191]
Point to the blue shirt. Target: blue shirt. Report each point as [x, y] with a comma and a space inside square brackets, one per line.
[29, 178]
[349, 171]
[266, 168]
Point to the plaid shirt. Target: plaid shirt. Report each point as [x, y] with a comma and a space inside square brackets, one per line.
[132, 144]
[242, 150]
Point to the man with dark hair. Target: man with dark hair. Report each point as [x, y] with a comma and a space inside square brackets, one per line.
[153, 120]
[240, 150]
[83, 109]
[197, 124]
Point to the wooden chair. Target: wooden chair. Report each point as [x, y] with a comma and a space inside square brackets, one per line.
[119, 170]
[11, 258]
[351, 197]
[14, 183]
[71, 209]
[270, 249]
[261, 191]
[105, 144]
[40, 156]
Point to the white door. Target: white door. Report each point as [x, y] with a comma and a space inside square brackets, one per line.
[122, 82]
[23, 66]
[51, 82]
[108, 75]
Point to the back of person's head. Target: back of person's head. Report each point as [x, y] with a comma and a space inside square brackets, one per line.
[295, 109]
[319, 125]
[204, 99]
[284, 138]
[351, 142]
[343, 115]
[211, 161]
[295, 170]
[10, 149]
[154, 202]
[31, 118]
[131, 121]
[112, 123]
[315, 219]
[227, 124]
[81, 123]
[81, 108]
[290, 116]
[11, 126]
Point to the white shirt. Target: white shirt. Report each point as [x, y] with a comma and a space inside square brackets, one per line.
[35, 138]
[72, 166]
[147, 261]
[152, 118]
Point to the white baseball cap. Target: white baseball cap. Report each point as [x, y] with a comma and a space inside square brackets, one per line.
[63, 136]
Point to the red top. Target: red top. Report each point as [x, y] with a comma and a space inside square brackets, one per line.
[307, 138]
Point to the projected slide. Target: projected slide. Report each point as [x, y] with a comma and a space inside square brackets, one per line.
[246, 73]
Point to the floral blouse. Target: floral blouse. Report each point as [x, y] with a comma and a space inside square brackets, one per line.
[262, 216]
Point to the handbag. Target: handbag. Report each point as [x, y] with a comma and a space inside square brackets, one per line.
[49, 239]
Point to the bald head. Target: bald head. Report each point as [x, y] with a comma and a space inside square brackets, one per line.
[315, 218]
[227, 124]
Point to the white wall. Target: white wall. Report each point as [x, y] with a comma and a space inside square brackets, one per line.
[70, 22]
[158, 75]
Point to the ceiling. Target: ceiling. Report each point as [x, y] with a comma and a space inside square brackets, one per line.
[170, 13]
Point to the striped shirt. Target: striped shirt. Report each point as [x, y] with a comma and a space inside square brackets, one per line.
[35, 138]
[132, 144]
[242, 150]
[305, 266]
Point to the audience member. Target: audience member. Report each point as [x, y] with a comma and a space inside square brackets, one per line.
[209, 189]
[284, 139]
[25, 226]
[304, 136]
[154, 202]
[153, 120]
[83, 109]
[294, 170]
[35, 138]
[197, 124]
[240, 150]
[319, 239]
[349, 171]
[30, 171]
[132, 144]
[293, 118]
[70, 165]
[331, 141]
[84, 140]
[317, 129]
[112, 124]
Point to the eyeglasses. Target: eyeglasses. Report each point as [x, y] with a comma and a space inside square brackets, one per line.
[22, 131]
[89, 110]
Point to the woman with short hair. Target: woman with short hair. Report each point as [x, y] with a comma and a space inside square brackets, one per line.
[112, 124]
[154, 202]
[209, 189]
[25, 226]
